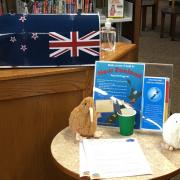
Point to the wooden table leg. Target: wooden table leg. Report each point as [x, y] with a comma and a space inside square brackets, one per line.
[162, 25]
[154, 20]
[173, 26]
[144, 12]
[156, 6]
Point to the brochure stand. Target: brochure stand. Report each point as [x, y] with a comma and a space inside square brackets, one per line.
[143, 87]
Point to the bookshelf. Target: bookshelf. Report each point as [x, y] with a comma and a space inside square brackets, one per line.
[129, 25]
[118, 22]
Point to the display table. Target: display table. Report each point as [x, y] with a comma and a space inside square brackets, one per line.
[35, 104]
[164, 163]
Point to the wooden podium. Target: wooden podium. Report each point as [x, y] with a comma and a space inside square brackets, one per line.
[35, 105]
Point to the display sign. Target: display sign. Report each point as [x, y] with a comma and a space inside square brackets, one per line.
[120, 82]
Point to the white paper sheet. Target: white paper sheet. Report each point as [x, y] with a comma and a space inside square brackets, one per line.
[84, 168]
[107, 158]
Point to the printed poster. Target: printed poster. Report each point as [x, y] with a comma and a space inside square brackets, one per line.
[117, 82]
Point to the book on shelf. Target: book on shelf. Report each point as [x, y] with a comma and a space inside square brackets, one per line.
[124, 85]
[116, 8]
[1, 8]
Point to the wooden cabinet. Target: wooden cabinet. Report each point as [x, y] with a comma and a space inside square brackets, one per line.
[35, 105]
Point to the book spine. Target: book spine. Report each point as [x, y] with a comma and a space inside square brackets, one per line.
[1, 8]
[45, 11]
[63, 6]
[56, 6]
[35, 7]
[4, 7]
[85, 6]
[68, 2]
[79, 4]
[90, 6]
[40, 7]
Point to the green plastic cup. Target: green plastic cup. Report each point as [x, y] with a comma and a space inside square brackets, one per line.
[126, 121]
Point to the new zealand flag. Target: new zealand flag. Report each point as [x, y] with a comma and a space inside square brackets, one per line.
[49, 40]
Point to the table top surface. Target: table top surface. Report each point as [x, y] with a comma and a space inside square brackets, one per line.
[164, 163]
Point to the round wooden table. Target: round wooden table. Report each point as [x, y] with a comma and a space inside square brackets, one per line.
[164, 163]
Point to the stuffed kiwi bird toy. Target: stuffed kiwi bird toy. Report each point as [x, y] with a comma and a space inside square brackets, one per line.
[83, 119]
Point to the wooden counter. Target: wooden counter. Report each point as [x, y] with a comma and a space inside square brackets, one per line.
[123, 52]
[34, 106]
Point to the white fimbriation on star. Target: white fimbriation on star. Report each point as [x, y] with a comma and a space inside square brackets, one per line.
[13, 39]
[34, 36]
[22, 18]
[23, 48]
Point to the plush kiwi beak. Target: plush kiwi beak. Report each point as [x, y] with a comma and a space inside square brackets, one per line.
[91, 113]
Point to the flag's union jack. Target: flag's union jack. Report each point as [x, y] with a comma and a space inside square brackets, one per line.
[73, 44]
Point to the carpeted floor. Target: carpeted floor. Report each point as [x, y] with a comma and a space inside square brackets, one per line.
[154, 49]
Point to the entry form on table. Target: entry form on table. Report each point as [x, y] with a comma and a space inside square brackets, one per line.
[107, 158]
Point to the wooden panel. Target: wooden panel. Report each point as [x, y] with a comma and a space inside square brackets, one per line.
[33, 110]
[27, 128]
[43, 85]
[19, 73]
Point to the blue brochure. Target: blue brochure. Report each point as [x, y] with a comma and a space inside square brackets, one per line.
[49, 40]
[118, 81]
[154, 103]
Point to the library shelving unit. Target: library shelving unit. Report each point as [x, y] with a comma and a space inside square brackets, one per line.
[131, 30]
[128, 17]
[128, 27]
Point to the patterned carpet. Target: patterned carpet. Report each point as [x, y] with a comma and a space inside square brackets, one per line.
[154, 49]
